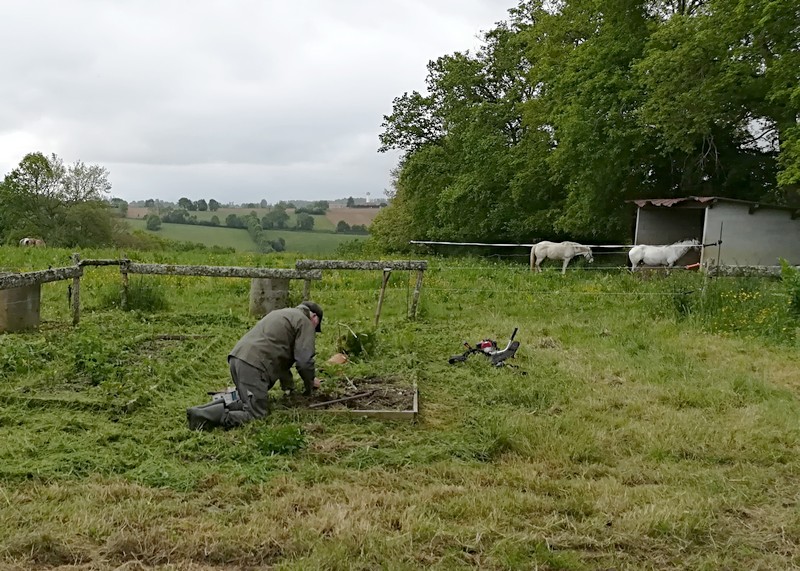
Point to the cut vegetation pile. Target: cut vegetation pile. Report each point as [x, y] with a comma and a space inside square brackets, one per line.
[656, 427]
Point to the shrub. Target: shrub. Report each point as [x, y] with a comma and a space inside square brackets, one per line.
[286, 439]
[791, 280]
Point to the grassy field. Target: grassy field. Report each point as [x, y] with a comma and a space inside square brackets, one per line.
[650, 423]
[310, 243]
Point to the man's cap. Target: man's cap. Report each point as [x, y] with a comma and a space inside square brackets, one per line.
[315, 308]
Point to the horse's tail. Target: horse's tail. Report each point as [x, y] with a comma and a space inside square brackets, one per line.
[533, 257]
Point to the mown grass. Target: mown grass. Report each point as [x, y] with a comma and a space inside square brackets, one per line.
[639, 432]
[317, 243]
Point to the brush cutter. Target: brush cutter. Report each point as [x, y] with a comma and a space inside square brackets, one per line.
[488, 348]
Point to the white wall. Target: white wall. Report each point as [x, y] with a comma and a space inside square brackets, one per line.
[757, 239]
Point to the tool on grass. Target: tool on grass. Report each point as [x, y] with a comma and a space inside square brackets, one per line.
[488, 348]
[227, 395]
[343, 399]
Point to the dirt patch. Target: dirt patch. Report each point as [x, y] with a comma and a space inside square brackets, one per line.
[373, 393]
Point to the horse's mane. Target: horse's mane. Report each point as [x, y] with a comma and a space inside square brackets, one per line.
[687, 242]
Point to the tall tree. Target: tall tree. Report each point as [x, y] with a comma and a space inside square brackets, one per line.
[64, 204]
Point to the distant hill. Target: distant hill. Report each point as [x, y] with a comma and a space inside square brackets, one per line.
[331, 219]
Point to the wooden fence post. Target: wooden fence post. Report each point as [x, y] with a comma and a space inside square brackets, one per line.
[386, 273]
[76, 292]
[306, 290]
[417, 290]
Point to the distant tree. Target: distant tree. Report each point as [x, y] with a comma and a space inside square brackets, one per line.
[120, 205]
[278, 245]
[202, 205]
[58, 202]
[351, 202]
[213, 205]
[215, 220]
[149, 203]
[305, 221]
[233, 221]
[184, 203]
[176, 216]
[342, 226]
[276, 218]
[153, 222]
[264, 203]
[83, 182]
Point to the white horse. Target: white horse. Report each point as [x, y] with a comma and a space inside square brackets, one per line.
[660, 255]
[558, 251]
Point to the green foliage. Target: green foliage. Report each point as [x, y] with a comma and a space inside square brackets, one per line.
[286, 439]
[95, 359]
[143, 295]
[305, 221]
[359, 344]
[744, 306]
[153, 223]
[791, 280]
[568, 111]
[64, 204]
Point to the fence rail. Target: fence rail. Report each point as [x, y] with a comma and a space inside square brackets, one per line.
[11, 281]
[220, 271]
[75, 272]
[419, 265]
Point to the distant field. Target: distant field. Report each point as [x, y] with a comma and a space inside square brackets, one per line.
[326, 222]
[352, 215]
[224, 237]
[304, 242]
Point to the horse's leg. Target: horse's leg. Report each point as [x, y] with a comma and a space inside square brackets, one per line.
[564, 266]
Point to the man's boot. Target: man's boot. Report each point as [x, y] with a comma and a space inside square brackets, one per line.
[207, 416]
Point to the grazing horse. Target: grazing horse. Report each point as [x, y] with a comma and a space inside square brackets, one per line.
[660, 255]
[558, 251]
[33, 242]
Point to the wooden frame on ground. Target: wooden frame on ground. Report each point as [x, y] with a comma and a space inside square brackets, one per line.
[410, 414]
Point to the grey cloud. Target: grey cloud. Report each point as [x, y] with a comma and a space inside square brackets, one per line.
[249, 96]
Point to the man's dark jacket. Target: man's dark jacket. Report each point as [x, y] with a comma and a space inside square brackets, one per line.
[282, 338]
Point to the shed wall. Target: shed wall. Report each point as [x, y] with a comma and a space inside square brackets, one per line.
[757, 239]
[667, 225]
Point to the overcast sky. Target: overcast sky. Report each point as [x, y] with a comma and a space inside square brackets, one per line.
[235, 100]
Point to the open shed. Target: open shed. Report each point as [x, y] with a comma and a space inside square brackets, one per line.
[752, 234]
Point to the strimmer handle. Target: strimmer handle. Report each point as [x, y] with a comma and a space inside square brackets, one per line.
[515, 333]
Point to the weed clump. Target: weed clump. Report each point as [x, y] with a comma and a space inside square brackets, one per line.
[357, 344]
[286, 439]
[147, 297]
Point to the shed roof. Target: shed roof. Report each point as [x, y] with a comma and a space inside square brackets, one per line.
[702, 201]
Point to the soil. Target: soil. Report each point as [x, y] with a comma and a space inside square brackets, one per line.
[384, 394]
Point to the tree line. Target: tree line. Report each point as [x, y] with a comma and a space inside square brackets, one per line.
[569, 109]
[64, 204]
